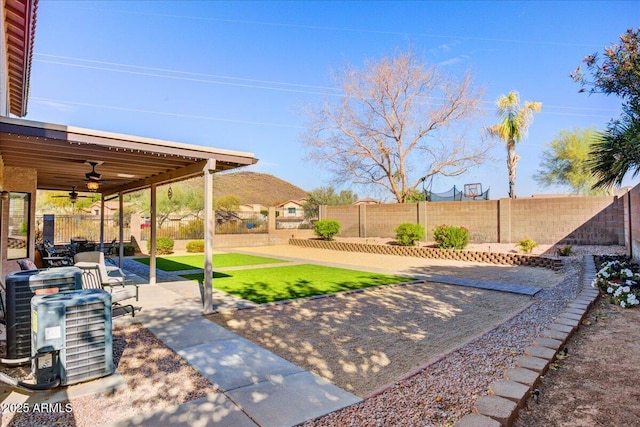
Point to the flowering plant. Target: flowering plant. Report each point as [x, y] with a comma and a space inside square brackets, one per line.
[618, 279]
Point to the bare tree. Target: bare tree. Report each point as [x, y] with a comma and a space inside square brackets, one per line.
[396, 123]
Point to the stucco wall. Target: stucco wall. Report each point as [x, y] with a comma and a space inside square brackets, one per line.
[557, 220]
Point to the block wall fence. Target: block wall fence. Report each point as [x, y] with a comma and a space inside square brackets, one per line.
[578, 220]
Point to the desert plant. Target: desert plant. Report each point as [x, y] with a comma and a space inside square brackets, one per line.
[527, 245]
[164, 245]
[129, 249]
[326, 228]
[565, 250]
[408, 234]
[192, 229]
[451, 237]
[195, 246]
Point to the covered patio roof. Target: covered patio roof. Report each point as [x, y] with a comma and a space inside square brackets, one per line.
[61, 156]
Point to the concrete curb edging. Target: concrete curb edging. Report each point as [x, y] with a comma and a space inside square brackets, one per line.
[506, 397]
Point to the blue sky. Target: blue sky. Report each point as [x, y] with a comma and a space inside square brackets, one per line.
[234, 75]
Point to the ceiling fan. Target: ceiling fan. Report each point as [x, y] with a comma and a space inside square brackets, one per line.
[73, 195]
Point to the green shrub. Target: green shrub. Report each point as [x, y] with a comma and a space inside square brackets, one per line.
[193, 229]
[326, 228]
[565, 250]
[129, 249]
[195, 246]
[408, 234]
[164, 245]
[527, 245]
[451, 237]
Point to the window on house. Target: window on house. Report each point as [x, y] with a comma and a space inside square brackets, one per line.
[19, 227]
[291, 211]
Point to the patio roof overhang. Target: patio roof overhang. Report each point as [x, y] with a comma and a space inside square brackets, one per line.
[127, 163]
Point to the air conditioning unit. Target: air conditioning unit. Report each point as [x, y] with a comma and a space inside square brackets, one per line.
[71, 336]
[21, 286]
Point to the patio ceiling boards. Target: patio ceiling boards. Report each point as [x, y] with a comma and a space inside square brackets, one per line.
[59, 154]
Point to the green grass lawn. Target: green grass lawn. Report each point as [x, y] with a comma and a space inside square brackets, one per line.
[191, 262]
[262, 285]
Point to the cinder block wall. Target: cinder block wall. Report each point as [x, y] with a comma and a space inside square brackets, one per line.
[558, 220]
[480, 217]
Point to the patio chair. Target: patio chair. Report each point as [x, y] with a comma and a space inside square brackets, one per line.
[98, 257]
[94, 276]
[109, 251]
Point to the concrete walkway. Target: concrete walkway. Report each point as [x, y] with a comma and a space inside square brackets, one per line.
[256, 386]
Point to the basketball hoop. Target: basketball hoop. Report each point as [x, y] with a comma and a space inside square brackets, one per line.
[471, 191]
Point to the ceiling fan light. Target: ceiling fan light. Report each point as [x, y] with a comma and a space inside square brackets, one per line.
[93, 186]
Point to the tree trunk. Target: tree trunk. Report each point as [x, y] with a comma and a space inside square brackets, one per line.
[512, 161]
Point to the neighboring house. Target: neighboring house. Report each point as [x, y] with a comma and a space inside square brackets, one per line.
[367, 201]
[290, 214]
[252, 211]
[291, 209]
[110, 209]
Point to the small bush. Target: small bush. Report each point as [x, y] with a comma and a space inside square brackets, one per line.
[408, 234]
[565, 250]
[451, 237]
[195, 246]
[326, 228]
[527, 245]
[192, 229]
[129, 249]
[164, 245]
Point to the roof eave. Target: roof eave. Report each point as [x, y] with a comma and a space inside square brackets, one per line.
[20, 27]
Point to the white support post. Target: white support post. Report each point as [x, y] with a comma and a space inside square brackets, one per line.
[101, 222]
[152, 246]
[120, 229]
[209, 228]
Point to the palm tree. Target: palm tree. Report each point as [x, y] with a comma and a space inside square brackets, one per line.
[616, 151]
[515, 121]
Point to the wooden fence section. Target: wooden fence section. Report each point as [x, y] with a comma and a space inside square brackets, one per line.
[547, 220]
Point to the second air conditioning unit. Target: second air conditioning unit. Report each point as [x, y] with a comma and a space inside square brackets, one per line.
[72, 336]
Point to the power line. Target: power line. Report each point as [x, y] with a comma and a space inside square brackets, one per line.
[164, 113]
[260, 86]
[350, 30]
[164, 76]
[166, 70]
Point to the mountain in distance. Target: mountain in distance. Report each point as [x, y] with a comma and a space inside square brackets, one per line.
[255, 188]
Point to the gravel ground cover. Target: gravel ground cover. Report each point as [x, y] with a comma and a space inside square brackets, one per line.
[362, 341]
[156, 378]
[446, 390]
